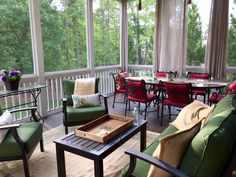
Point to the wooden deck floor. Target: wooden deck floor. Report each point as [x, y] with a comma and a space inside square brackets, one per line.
[119, 109]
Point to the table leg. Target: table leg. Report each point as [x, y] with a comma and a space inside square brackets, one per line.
[61, 170]
[98, 167]
[143, 136]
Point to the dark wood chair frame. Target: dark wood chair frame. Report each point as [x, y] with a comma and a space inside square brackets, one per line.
[115, 90]
[163, 97]
[64, 110]
[147, 104]
[206, 90]
[24, 156]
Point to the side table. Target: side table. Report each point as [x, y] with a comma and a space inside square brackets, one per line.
[94, 150]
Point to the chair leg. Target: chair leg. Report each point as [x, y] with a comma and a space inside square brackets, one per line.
[126, 104]
[124, 97]
[169, 109]
[162, 107]
[204, 99]
[41, 145]
[66, 129]
[26, 167]
[114, 99]
[145, 111]
[129, 105]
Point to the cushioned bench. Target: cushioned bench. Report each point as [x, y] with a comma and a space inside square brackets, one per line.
[209, 151]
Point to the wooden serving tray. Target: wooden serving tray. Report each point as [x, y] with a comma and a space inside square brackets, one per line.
[104, 128]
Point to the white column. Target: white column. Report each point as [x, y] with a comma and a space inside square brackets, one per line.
[123, 35]
[90, 36]
[37, 50]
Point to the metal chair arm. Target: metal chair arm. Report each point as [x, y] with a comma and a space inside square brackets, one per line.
[160, 164]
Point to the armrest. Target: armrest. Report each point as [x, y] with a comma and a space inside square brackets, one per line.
[9, 126]
[33, 110]
[105, 102]
[64, 102]
[23, 109]
[64, 109]
[164, 166]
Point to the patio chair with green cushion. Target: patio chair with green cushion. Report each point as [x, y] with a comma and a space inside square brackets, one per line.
[77, 116]
[21, 139]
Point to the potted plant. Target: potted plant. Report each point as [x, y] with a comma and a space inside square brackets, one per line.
[11, 78]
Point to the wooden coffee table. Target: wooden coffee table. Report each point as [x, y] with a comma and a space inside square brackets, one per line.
[94, 150]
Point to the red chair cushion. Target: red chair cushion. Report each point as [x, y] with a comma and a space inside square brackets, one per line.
[161, 74]
[150, 97]
[199, 91]
[177, 94]
[120, 90]
[120, 82]
[137, 89]
[214, 98]
[232, 88]
[199, 76]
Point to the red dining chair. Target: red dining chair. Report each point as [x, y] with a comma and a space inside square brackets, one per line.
[136, 92]
[161, 74]
[199, 91]
[176, 95]
[217, 96]
[119, 84]
[156, 88]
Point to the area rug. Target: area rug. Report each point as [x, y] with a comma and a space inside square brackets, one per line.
[43, 164]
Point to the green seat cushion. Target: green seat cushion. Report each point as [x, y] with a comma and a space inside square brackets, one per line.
[30, 133]
[142, 167]
[84, 114]
[211, 147]
[68, 87]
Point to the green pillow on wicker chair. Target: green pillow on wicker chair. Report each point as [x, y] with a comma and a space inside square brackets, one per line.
[77, 116]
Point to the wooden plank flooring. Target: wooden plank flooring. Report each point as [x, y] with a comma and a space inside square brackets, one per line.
[119, 109]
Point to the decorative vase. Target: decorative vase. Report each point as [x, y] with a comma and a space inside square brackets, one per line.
[12, 85]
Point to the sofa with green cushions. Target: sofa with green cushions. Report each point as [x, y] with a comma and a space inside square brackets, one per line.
[77, 116]
[208, 155]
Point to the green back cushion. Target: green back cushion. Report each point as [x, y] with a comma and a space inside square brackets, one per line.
[142, 167]
[211, 147]
[68, 87]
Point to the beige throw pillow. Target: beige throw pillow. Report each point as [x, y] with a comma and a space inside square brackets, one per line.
[192, 113]
[84, 86]
[172, 147]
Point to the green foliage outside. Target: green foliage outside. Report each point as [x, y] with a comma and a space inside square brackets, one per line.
[107, 33]
[15, 40]
[64, 35]
[232, 41]
[141, 32]
[195, 46]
